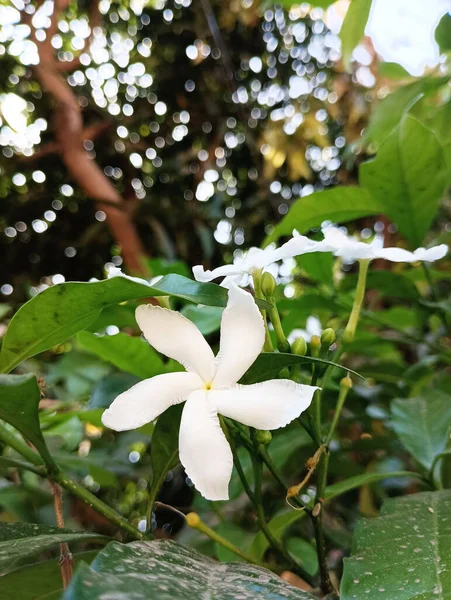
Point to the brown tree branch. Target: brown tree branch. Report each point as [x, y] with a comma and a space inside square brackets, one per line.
[65, 562]
[69, 133]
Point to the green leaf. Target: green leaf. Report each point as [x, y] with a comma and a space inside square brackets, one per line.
[304, 553]
[404, 554]
[339, 204]
[422, 424]
[336, 489]
[393, 70]
[206, 318]
[41, 581]
[20, 540]
[408, 177]
[268, 365]
[353, 28]
[127, 353]
[320, 3]
[318, 266]
[61, 311]
[70, 431]
[388, 113]
[165, 570]
[19, 404]
[109, 388]
[164, 449]
[280, 523]
[443, 33]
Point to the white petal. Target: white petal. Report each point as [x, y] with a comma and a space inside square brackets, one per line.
[116, 272]
[242, 337]
[203, 448]
[300, 244]
[313, 326]
[431, 254]
[256, 258]
[146, 400]
[224, 271]
[177, 337]
[268, 405]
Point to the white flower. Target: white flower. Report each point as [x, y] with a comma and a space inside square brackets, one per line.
[209, 387]
[254, 259]
[312, 327]
[116, 272]
[350, 249]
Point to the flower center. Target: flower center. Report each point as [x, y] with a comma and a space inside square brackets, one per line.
[208, 385]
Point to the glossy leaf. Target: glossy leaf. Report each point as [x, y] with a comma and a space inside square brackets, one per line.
[408, 177]
[40, 581]
[393, 70]
[165, 570]
[339, 204]
[304, 553]
[352, 483]
[109, 388]
[164, 449]
[422, 424]
[19, 402]
[61, 311]
[21, 540]
[127, 353]
[404, 554]
[353, 28]
[268, 365]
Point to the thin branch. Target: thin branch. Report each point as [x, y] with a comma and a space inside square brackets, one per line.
[65, 561]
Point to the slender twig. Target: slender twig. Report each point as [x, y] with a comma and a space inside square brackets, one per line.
[71, 486]
[65, 561]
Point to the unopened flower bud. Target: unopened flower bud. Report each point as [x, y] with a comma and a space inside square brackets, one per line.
[263, 437]
[284, 346]
[328, 337]
[346, 383]
[268, 285]
[284, 373]
[192, 519]
[315, 345]
[299, 347]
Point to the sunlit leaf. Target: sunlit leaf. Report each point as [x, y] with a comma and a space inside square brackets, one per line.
[339, 204]
[408, 177]
[353, 28]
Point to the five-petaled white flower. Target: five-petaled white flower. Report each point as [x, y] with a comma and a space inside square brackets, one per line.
[350, 249]
[312, 327]
[209, 387]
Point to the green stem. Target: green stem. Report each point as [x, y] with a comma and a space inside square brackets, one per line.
[349, 332]
[257, 278]
[345, 386]
[282, 342]
[75, 488]
[317, 518]
[275, 543]
[193, 520]
[17, 464]
[10, 439]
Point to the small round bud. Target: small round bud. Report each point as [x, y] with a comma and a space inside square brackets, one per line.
[299, 347]
[284, 373]
[268, 285]
[263, 437]
[315, 345]
[328, 337]
[346, 383]
[192, 519]
[284, 346]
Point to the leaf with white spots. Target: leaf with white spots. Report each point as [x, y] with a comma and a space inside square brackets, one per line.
[165, 570]
[404, 554]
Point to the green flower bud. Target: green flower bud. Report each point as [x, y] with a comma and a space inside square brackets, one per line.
[284, 373]
[283, 346]
[299, 347]
[263, 437]
[346, 383]
[328, 337]
[315, 345]
[268, 285]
